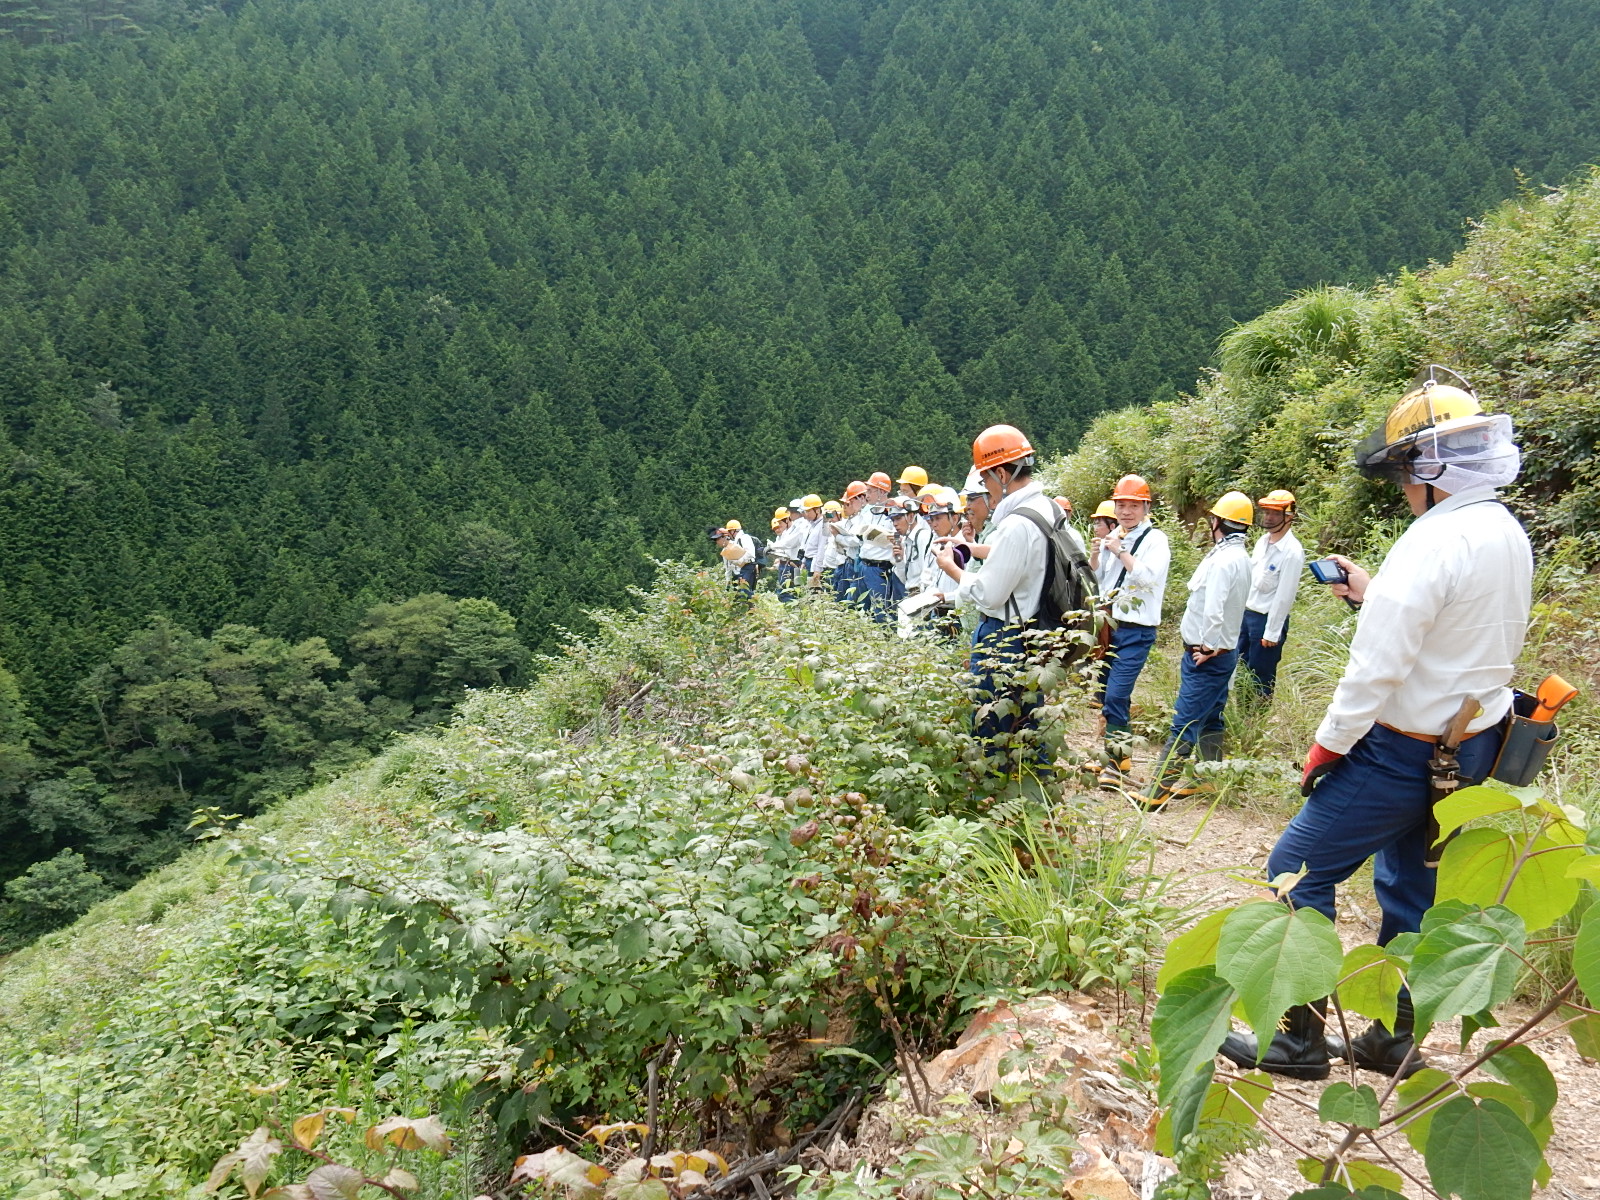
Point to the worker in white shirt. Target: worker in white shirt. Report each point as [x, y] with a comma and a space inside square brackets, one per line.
[1276, 564]
[1006, 592]
[1210, 634]
[785, 527]
[1441, 624]
[1105, 567]
[738, 553]
[913, 540]
[1135, 557]
[834, 559]
[816, 537]
[875, 583]
[845, 551]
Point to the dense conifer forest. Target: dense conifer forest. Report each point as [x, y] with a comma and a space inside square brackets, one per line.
[348, 351]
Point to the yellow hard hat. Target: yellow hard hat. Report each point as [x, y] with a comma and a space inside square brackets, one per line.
[1234, 506]
[781, 514]
[1107, 509]
[776, 521]
[1282, 498]
[1431, 406]
[733, 526]
[927, 490]
[833, 507]
[810, 501]
[915, 476]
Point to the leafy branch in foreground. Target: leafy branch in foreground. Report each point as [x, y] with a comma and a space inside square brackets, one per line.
[1481, 1129]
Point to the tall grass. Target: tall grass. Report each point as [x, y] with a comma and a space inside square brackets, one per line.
[1076, 891]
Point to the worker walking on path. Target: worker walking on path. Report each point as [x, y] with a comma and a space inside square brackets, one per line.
[1440, 628]
[1276, 564]
[1007, 590]
[1210, 634]
[1136, 557]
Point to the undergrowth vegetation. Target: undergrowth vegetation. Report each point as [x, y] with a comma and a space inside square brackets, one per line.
[718, 867]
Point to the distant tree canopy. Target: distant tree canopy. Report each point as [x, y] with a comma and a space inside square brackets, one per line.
[310, 307]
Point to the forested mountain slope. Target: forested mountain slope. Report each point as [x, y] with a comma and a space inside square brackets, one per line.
[311, 307]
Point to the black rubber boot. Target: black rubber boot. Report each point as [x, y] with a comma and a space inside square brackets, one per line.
[1209, 747]
[1299, 1050]
[1379, 1049]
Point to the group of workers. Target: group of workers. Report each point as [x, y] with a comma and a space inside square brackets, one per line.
[1439, 629]
[935, 547]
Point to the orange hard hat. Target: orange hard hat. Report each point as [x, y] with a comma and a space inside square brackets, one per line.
[1000, 444]
[856, 488]
[880, 479]
[1282, 498]
[1132, 487]
[1064, 504]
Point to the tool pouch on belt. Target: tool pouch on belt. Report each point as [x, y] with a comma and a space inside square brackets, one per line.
[1444, 775]
[1526, 743]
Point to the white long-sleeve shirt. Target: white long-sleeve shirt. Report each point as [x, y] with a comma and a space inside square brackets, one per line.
[1217, 592]
[1138, 600]
[791, 543]
[870, 549]
[747, 553]
[816, 539]
[1275, 569]
[1443, 619]
[1012, 578]
[916, 557]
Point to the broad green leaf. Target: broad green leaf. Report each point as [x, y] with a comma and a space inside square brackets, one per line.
[1470, 803]
[1346, 1105]
[1369, 983]
[1276, 957]
[1477, 865]
[1586, 867]
[1584, 1029]
[1239, 1101]
[1586, 953]
[1183, 1116]
[1189, 1023]
[1193, 948]
[1489, 1089]
[639, 1189]
[1526, 1071]
[1472, 1022]
[1467, 966]
[633, 939]
[1481, 1152]
[1373, 1179]
[1409, 1092]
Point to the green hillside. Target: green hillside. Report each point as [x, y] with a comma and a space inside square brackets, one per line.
[310, 308]
[736, 840]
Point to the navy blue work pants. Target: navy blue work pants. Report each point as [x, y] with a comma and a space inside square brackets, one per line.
[873, 585]
[1202, 695]
[1374, 805]
[1260, 663]
[997, 653]
[1130, 646]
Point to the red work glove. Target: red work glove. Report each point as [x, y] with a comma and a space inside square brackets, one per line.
[1319, 761]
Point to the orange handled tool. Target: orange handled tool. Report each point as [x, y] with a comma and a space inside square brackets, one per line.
[1552, 694]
